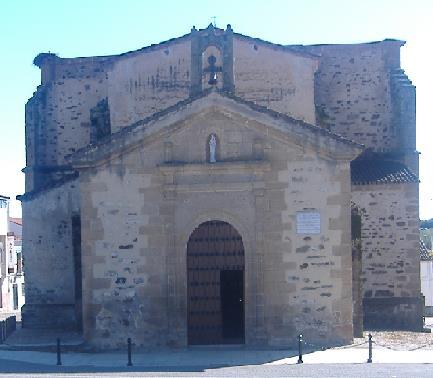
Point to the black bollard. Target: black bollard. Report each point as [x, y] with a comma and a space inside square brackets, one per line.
[129, 352]
[370, 349]
[300, 349]
[59, 356]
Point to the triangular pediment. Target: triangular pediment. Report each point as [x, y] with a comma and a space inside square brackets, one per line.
[283, 127]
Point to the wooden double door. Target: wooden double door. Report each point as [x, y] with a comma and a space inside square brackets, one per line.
[216, 265]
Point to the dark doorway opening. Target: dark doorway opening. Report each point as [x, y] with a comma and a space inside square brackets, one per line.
[357, 291]
[15, 296]
[76, 249]
[215, 263]
[232, 305]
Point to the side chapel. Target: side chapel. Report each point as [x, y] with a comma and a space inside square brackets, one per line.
[217, 188]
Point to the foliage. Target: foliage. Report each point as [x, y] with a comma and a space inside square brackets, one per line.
[427, 223]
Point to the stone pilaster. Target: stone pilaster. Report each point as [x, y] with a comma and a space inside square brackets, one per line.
[259, 336]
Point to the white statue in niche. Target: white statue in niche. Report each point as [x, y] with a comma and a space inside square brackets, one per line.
[212, 148]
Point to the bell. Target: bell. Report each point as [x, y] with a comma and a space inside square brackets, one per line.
[212, 79]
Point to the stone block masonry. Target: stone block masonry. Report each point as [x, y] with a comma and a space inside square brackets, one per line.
[119, 175]
[390, 255]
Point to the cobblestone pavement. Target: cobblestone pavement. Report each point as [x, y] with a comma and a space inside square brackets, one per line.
[402, 340]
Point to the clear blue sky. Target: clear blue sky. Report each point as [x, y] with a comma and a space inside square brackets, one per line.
[94, 27]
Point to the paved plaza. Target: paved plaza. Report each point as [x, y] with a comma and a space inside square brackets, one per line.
[395, 354]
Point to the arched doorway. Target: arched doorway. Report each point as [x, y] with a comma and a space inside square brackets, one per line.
[216, 264]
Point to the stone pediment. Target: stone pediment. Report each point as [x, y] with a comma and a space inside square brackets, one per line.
[273, 124]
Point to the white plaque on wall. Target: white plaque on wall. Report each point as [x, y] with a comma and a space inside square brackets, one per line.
[308, 222]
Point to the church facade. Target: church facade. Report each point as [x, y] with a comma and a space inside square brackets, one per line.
[217, 189]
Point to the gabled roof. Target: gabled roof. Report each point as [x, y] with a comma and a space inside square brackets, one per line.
[27, 196]
[302, 50]
[295, 49]
[379, 171]
[129, 136]
[386, 40]
[18, 221]
[424, 253]
[42, 57]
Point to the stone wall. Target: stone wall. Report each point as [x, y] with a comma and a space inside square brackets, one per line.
[390, 255]
[145, 83]
[353, 92]
[139, 206]
[121, 277]
[141, 83]
[317, 300]
[138, 84]
[58, 114]
[138, 211]
[48, 254]
[271, 76]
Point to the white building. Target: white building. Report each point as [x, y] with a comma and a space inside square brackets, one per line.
[426, 272]
[11, 267]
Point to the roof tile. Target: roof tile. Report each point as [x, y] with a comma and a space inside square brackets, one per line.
[424, 253]
[378, 171]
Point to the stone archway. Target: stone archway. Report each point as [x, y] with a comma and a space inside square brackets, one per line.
[215, 276]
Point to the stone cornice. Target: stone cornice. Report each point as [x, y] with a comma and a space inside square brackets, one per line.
[233, 167]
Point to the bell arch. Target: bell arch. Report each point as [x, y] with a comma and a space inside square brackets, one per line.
[212, 63]
[212, 40]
